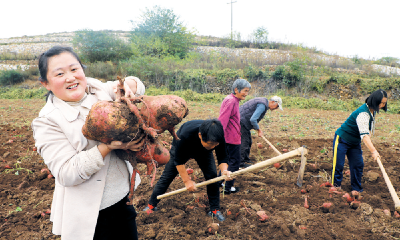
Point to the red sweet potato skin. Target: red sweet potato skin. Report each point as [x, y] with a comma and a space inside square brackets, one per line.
[166, 110]
[154, 151]
[146, 116]
[111, 121]
[163, 112]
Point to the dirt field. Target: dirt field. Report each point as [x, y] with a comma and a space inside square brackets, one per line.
[26, 193]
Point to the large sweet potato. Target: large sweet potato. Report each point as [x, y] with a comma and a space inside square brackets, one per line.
[163, 112]
[111, 121]
[133, 119]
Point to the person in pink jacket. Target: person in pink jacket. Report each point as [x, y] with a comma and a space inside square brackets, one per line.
[91, 182]
[230, 119]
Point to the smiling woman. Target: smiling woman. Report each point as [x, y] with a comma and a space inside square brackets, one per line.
[90, 178]
[52, 70]
[65, 77]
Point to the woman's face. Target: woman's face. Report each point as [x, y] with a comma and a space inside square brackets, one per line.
[65, 77]
[209, 145]
[383, 103]
[242, 94]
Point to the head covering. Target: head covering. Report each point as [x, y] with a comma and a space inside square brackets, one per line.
[278, 100]
[140, 88]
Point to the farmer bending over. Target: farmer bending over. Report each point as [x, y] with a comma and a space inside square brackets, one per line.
[251, 113]
[91, 182]
[230, 118]
[348, 138]
[197, 140]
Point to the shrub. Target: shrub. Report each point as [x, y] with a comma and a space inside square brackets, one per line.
[295, 72]
[100, 46]
[11, 77]
[279, 73]
[389, 61]
[228, 74]
[20, 93]
[252, 73]
[101, 70]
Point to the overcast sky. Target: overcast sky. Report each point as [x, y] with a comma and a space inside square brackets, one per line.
[366, 28]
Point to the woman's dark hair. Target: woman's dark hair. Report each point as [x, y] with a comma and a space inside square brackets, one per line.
[44, 59]
[212, 130]
[375, 99]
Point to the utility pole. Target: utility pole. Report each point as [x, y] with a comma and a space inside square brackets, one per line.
[231, 3]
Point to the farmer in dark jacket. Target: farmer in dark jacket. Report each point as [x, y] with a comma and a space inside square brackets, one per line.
[198, 138]
[251, 113]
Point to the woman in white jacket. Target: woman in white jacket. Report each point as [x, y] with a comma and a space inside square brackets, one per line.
[91, 182]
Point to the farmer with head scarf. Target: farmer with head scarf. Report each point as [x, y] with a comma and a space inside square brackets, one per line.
[348, 137]
[230, 118]
[251, 113]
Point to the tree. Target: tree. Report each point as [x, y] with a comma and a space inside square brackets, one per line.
[159, 32]
[100, 46]
[389, 61]
[260, 36]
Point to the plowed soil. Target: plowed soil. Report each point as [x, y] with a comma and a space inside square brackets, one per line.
[26, 193]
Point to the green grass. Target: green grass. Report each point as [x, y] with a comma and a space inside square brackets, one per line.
[189, 95]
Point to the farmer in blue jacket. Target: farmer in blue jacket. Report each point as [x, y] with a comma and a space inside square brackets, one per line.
[348, 138]
[251, 113]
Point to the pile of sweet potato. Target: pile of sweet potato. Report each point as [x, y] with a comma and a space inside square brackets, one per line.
[135, 118]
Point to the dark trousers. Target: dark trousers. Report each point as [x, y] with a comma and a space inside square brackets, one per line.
[341, 148]
[117, 222]
[207, 166]
[233, 162]
[245, 146]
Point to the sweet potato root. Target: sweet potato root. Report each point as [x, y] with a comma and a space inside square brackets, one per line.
[124, 121]
[163, 112]
[111, 121]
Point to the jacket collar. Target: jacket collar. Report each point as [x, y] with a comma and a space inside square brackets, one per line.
[234, 97]
[70, 113]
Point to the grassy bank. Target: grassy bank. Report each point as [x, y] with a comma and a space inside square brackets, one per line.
[189, 95]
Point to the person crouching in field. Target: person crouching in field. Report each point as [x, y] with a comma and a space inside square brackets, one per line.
[91, 182]
[251, 113]
[348, 137]
[198, 139]
[230, 118]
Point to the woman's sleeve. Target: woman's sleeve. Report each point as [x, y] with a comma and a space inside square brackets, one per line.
[363, 124]
[68, 166]
[107, 87]
[225, 113]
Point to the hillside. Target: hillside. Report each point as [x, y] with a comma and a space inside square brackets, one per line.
[345, 78]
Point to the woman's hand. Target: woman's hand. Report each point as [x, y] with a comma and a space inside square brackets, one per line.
[129, 89]
[375, 155]
[190, 186]
[367, 141]
[135, 146]
[227, 175]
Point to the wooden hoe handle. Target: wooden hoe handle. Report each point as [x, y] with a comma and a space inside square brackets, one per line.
[389, 184]
[254, 167]
[272, 146]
